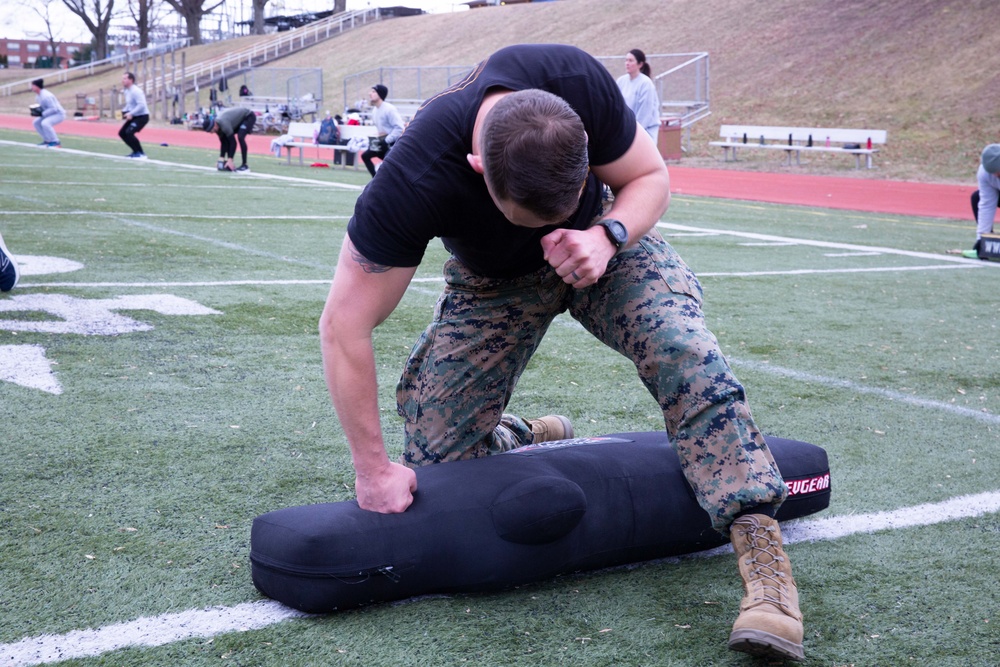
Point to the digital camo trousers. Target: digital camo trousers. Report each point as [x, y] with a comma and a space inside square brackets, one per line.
[647, 306]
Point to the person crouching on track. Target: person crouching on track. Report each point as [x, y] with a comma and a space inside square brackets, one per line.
[136, 115]
[232, 125]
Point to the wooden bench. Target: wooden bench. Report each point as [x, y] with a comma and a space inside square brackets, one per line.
[800, 140]
[304, 136]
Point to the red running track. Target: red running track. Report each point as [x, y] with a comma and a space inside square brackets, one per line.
[857, 194]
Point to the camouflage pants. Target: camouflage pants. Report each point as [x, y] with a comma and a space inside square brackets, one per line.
[461, 373]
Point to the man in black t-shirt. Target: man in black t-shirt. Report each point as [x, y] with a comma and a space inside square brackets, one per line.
[509, 167]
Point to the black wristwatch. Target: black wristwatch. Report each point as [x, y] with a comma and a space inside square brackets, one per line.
[616, 232]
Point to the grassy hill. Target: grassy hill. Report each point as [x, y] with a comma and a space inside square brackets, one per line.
[928, 71]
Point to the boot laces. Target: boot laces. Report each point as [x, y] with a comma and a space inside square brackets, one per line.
[768, 584]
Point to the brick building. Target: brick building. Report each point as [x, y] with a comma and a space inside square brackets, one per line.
[26, 52]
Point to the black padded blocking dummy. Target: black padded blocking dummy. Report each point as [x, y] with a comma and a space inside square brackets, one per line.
[507, 519]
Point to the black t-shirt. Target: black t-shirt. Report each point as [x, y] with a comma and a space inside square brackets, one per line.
[426, 188]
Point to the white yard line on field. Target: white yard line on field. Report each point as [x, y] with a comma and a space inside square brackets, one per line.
[805, 272]
[68, 167]
[167, 283]
[202, 283]
[222, 244]
[847, 385]
[176, 165]
[770, 238]
[173, 216]
[838, 383]
[144, 185]
[167, 628]
[147, 631]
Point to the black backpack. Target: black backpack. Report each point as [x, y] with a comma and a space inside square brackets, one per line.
[329, 133]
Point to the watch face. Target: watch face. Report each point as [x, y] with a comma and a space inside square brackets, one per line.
[616, 232]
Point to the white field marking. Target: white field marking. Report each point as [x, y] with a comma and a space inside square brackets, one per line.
[836, 527]
[222, 244]
[205, 283]
[432, 293]
[42, 265]
[956, 259]
[27, 366]
[174, 216]
[847, 385]
[148, 631]
[119, 185]
[150, 161]
[764, 244]
[851, 254]
[68, 167]
[804, 272]
[565, 320]
[94, 317]
[167, 628]
[822, 212]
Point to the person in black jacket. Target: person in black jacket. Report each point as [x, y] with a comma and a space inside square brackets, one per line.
[8, 268]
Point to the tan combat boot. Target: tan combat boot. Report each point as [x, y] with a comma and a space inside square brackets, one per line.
[551, 427]
[770, 623]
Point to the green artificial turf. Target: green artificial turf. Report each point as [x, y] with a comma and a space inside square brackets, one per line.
[131, 493]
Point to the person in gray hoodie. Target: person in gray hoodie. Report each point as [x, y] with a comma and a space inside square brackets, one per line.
[985, 202]
[232, 126]
[135, 113]
[52, 113]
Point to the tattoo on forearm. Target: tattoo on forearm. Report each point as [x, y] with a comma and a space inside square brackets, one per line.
[367, 265]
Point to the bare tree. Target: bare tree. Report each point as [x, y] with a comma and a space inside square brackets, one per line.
[96, 15]
[144, 13]
[258, 13]
[192, 11]
[258, 16]
[43, 9]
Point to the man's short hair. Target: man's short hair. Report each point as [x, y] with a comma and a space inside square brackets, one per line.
[131, 77]
[534, 152]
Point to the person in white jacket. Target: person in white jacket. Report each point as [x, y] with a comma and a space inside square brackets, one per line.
[640, 92]
[52, 113]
